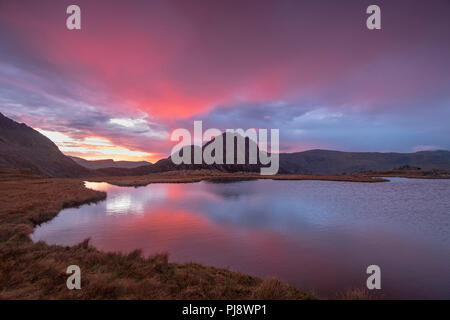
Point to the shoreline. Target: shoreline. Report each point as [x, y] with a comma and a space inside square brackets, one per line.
[211, 175]
[37, 270]
[192, 176]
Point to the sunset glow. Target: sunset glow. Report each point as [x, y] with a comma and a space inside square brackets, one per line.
[95, 148]
[140, 69]
[229, 155]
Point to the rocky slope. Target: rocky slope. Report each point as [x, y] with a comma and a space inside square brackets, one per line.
[23, 147]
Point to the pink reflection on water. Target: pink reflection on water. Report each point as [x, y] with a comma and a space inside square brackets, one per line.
[287, 230]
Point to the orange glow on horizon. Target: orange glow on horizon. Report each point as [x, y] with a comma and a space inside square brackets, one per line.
[97, 148]
[150, 158]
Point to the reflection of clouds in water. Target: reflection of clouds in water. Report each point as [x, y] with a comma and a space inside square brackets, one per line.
[290, 206]
[125, 200]
[122, 204]
[298, 231]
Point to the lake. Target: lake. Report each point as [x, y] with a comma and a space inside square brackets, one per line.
[315, 235]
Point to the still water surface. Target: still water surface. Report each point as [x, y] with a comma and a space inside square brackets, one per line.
[316, 235]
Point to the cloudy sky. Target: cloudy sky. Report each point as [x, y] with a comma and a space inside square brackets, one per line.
[139, 69]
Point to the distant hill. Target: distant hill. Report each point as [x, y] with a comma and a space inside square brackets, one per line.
[109, 163]
[25, 148]
[337, 162]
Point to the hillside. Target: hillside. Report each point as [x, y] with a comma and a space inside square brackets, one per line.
[337, 162]
[22, 147]
[108, 163]
[315, 162]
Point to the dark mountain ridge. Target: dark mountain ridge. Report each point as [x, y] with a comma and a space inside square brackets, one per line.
[326, 162]
[22, 147]
[338, 162]
[168, 165]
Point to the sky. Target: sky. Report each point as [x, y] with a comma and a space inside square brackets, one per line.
[137, 70]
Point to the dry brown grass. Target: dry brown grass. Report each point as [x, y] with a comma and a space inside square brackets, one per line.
[359, 294]
[274, 289]
[27, 202]
[412, 174]
[37, 271]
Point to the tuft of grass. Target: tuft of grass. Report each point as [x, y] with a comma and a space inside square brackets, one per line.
[274, 289]
[358, 294]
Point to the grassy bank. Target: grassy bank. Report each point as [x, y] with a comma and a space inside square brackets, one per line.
[412, 174]
[211, 175]
[37, 271]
